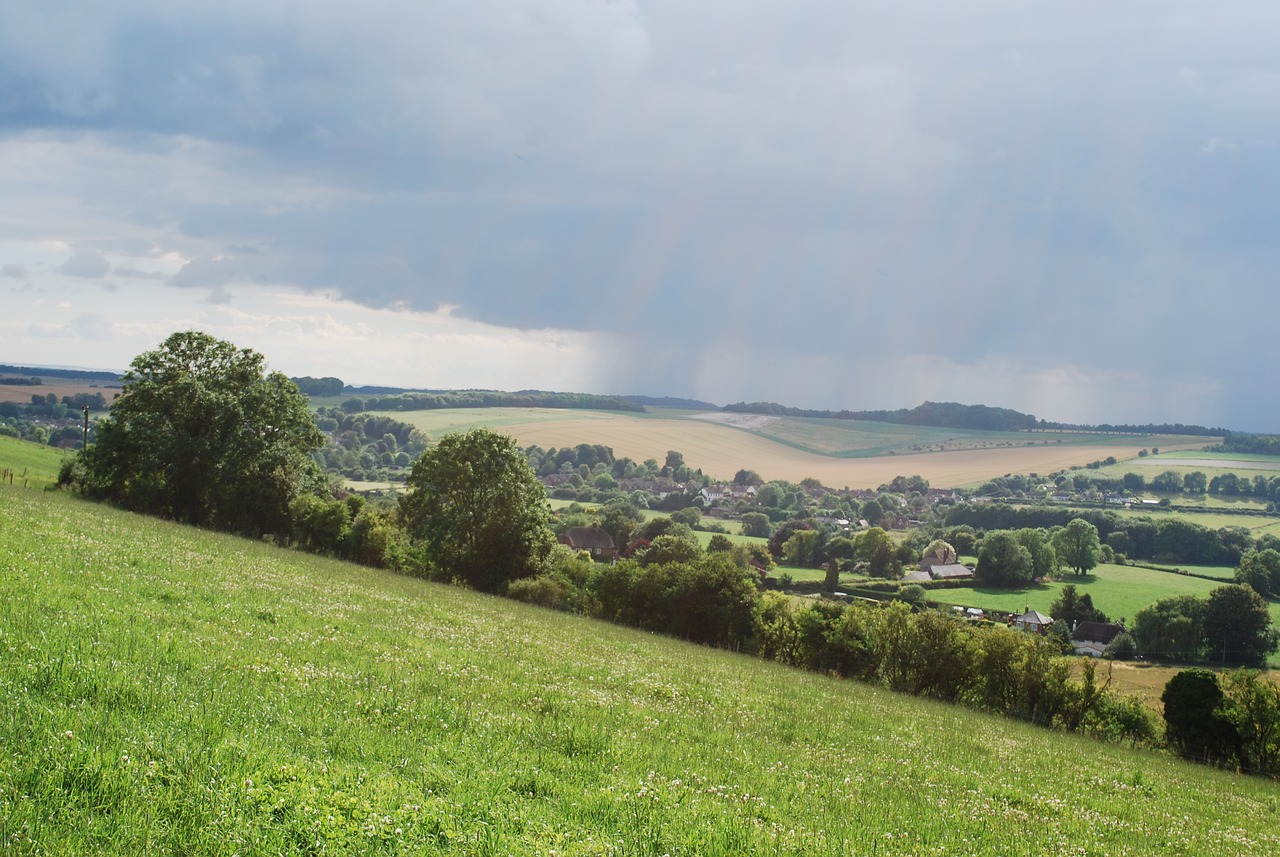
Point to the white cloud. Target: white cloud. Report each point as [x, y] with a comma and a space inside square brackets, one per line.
[1219, 145]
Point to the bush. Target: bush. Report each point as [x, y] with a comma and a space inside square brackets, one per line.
[1121, 648]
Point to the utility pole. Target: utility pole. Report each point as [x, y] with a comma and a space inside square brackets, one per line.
[86, 427]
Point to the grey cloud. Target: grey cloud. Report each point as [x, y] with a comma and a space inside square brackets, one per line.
[14, 271]
[206, 272]
[828, 180]
[86, 263]
[138, 274]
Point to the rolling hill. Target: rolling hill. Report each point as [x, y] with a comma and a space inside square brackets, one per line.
[167, 690]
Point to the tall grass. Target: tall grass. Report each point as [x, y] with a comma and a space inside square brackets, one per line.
[164, 691]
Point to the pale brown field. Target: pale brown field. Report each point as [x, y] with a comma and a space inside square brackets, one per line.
[23, 394]
[721, 451]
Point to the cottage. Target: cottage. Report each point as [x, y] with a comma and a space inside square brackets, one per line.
[1092, 638]
[1033, 620]
[950, 571]
[594, 540]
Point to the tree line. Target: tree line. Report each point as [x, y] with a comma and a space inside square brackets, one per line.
[1165, 539]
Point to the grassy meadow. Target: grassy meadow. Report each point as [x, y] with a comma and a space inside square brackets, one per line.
[1117, 590]
[31, 465]
[164, 690]
[840, 453]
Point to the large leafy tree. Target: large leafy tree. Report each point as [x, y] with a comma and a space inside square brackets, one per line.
[204, 435]
[1197, 724]
[1072, 606]
[478, 510]
[1260, 569]
[1237, 626]
[1077, 545]
[1003, 561]
[1171, 629]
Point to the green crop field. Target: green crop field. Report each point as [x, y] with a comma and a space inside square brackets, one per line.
[30, 464]
[167, 691]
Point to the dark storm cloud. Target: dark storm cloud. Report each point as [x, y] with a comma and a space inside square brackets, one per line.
[1063, 191]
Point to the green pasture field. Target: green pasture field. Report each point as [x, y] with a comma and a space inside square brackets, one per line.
[1211, 464]
[1120, 591]
[1258, 525]
[168, 691]
[33, 465]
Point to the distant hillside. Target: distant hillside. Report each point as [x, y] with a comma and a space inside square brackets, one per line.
[940, 414]
[69, 374]
[671, 402]
[428, 400]
[977, 417]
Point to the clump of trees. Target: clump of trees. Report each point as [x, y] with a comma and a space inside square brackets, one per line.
[1232, 720]
[1231, 626]
[1165, 539]
[202, 434]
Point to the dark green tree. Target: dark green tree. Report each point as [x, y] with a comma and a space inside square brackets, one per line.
[1044, 559]
[1195, 482]
[1072, 606]
[876, 548]
[1237, 626]
[1196, 722]
[755, 524]
[1003, 561]
[1077, 545]
[1260, 570]
[1171, 629]
[204, 435]
[478, 511]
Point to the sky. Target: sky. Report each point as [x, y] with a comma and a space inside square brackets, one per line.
[1069, 209]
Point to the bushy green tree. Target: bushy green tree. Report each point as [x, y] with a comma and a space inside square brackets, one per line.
[755, 524]
[1237, 626]
[478, 511]
[1196, 722]
[1077, 545]
[804, 548]
[1260, 570]
[1255, 713]
[1171, 629]
[1003, 561]
[1044, 559]
[877, 549]
[204, 435]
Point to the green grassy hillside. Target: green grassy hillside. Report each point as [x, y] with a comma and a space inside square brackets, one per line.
[166, 691]
[31, 464]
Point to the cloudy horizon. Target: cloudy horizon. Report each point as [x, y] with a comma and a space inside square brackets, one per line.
[1063, 209]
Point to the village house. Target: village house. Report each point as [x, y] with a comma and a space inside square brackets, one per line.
[1092, 638]
[594, 540]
